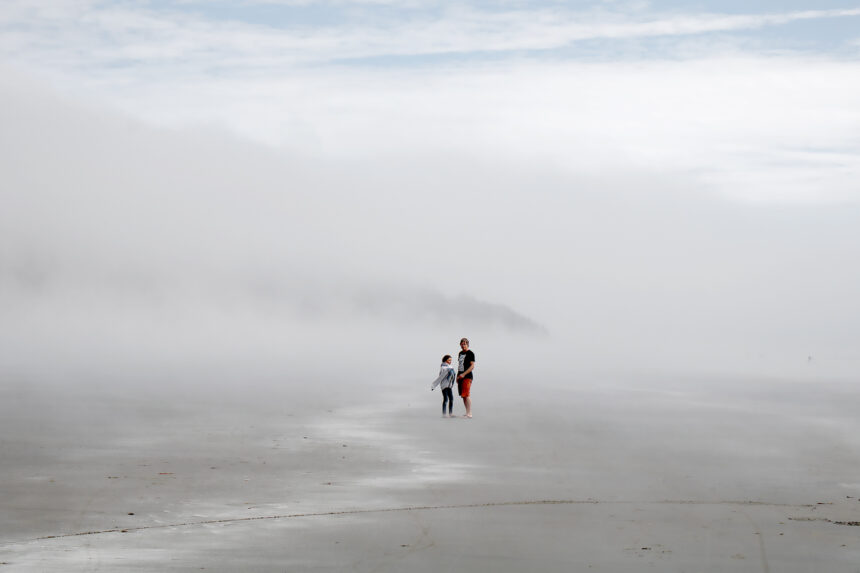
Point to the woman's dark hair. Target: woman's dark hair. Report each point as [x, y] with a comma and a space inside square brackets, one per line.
[446, 357]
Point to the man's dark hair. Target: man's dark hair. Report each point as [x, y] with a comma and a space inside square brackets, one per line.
[446, 357]
[466, 340]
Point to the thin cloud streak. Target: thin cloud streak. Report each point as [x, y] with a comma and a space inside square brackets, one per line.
[107, 37]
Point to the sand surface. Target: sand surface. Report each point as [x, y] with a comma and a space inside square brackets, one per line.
[620, 474]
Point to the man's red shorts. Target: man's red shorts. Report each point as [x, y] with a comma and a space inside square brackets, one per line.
[464, 385]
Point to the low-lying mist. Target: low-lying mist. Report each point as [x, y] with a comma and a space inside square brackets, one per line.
[129, 252]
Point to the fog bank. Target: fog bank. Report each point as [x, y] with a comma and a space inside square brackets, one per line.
[124, 244]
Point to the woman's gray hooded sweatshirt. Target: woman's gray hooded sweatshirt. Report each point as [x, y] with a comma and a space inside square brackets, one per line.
[447, 377]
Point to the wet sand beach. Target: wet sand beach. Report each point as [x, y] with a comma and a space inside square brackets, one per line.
[604, 474]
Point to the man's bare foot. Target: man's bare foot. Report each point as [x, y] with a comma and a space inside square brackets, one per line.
[467, 416]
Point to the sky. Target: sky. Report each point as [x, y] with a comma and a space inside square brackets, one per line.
[280, 185]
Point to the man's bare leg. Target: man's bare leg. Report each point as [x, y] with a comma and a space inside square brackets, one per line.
[467, 401]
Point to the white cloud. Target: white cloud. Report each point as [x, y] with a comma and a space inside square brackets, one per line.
[779, 128]
[739, 122]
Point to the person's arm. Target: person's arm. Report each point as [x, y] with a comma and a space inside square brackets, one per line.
[438, 380]
[467, 370]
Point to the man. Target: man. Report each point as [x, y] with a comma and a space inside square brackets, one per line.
[466, 358]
